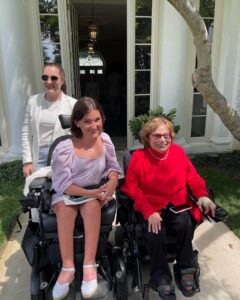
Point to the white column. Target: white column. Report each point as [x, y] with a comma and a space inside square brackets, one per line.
[17, 68]
[226, 67]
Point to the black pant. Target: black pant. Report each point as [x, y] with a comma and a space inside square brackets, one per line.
[181, 227]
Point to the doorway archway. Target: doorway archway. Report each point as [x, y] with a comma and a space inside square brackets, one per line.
[111, 46]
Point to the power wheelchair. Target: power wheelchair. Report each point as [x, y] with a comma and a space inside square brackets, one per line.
[41, 245]
[129, 239]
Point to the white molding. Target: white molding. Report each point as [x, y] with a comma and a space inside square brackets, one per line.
[64, 42]
[130, 66]
[222, 144]
[37, 49]
[4, 132]
[156, 32]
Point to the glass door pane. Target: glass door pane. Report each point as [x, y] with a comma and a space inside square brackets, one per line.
[143, 37]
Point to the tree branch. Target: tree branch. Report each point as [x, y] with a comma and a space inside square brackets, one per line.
[202, 77]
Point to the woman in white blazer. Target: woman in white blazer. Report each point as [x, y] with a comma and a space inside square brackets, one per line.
[41, 124]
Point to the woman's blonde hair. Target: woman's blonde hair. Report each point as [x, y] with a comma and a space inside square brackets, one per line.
[152, 125]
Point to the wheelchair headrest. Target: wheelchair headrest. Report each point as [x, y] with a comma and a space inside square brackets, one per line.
[65, 121]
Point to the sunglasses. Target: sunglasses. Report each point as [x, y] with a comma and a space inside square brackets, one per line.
[53, 78]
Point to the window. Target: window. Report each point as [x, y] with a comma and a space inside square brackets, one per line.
[48, 11]
[143, 24]
[199, 111]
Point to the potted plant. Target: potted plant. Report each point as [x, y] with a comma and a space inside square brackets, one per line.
[136, 123]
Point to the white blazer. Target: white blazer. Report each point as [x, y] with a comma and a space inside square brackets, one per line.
[30, 129]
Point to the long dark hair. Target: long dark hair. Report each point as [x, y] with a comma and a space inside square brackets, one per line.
[82, 107]
[62, 73]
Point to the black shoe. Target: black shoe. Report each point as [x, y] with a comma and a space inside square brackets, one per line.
[187, 280]
[165, 292]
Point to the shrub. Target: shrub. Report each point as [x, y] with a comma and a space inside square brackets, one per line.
[11, 186]
[137, 123]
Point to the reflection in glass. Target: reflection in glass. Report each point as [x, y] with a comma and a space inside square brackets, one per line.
[143, 7]
[143, 30]
[90, 60]
[206, 8]
[198, 126]
[199, 105]
[49, 29]
[142, 82]
[142, 105]
[48, 6]
[143, 57]
[51, 53]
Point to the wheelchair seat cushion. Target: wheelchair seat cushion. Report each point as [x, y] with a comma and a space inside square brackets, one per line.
[49, 221]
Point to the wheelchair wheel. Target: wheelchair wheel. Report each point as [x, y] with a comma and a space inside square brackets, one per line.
[120, 276]
[38, 297]
[122, 290]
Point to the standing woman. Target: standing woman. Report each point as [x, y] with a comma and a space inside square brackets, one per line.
[81, 161]
[41, 124]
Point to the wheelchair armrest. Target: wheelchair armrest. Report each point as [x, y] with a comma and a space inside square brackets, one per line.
[220, 214]
[38, 184]
[39, 194]
[123, 199]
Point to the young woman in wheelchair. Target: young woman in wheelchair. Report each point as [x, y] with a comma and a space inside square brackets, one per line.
[79, 162]
[160, 176]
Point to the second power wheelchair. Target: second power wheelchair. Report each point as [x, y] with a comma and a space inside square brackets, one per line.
[129, 238]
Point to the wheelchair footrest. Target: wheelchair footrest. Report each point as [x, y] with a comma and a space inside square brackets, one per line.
[181, 284]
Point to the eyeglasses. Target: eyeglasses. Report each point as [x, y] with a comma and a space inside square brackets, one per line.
[53, 78]
[157, 136]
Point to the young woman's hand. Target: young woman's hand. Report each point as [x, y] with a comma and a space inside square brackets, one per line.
[108, 189]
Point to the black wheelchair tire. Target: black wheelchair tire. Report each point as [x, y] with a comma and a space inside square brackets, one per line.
[37, 297]
[122, 290]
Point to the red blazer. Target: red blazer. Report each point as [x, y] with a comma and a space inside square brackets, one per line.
[152, 183]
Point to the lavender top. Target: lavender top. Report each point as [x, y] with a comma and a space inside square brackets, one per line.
[69, 168]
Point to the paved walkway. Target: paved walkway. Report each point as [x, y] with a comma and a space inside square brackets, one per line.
[219, 260]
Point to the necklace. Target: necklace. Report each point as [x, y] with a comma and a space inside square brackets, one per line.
[164, 158]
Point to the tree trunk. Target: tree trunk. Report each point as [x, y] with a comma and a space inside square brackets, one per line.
[202, 77]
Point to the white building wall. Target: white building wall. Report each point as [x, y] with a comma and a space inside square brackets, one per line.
[173, 60]
[17, 67]
[176, 66]
[226, 68]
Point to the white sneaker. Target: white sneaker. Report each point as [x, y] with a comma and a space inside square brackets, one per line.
[60, 290]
